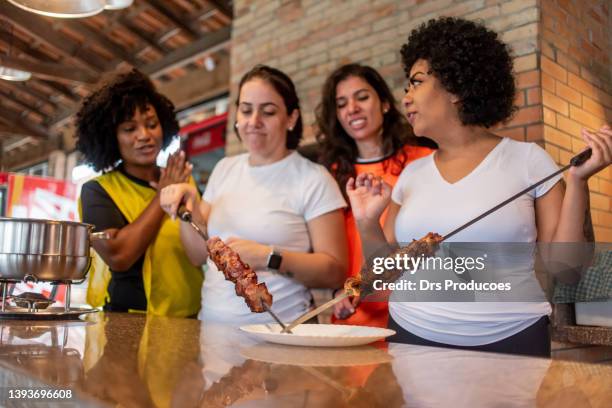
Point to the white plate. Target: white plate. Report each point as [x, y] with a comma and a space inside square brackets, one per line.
[319, 335]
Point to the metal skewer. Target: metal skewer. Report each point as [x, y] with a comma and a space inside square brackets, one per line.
[315, 312]
[575, 161]
[285, 329]
[185, 215]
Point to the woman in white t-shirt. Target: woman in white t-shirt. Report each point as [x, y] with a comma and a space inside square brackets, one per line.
[460, 83]
[279, 211]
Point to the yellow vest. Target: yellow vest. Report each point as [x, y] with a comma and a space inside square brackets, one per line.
[172, 284]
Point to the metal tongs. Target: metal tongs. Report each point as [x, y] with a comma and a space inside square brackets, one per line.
[577, 160]
[185, 215]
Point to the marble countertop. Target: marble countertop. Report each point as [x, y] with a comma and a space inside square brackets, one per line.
[114, 359]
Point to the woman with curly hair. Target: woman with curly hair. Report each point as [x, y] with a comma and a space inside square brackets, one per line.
[121, 128]
[460, 84]
[360, 130]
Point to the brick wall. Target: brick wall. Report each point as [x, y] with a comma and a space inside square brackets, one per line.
[309, 38]
[577, 88]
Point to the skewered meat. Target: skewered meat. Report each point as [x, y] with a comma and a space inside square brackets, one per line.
[241, 274]
[363, 284]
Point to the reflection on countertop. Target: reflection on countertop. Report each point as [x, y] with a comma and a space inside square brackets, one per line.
[134, 360]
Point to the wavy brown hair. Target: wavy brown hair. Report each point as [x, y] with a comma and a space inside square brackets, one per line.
[338, 151]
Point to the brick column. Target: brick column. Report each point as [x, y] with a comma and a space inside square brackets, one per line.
[577, 88]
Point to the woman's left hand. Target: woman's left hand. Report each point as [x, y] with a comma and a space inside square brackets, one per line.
[178, 170]
[251, 252]
[600, 143]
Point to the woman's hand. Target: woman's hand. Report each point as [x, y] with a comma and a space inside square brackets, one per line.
[172, 196]
[600, 143]
[346, 307]
[369, 196]
[251, 252]
[177, 171]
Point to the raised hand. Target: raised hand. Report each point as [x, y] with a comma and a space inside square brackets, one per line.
[172, 196]
[177, 171]
[369, 196]
[600, 143]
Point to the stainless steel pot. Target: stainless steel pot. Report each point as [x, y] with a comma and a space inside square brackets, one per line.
[45, 249]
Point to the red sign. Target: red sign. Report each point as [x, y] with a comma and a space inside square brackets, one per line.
[3, 178]
[41, 197]
[205, 136]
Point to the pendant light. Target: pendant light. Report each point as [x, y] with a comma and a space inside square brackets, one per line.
[117, 4]
[70, 8]
[11, 74]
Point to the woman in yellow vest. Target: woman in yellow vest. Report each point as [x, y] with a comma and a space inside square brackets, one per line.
[121, 128]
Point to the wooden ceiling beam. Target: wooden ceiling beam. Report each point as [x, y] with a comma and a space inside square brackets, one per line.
[204, 15]
[23, 105]
[22, 46]
[50, 70]
[101, 40]
[208, 43]
[166, 35]
[170, 14]
[15, 119]
[143, 37]
[222, 7]
[10, 130]
[61, 89]
[5, 128]
[42, 31]
[34, 93]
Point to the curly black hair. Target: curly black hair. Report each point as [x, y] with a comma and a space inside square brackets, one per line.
[338, 151]
[115, 102]
[471, 62]
[286, 89]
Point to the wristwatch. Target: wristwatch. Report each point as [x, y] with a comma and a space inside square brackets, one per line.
[274, 260]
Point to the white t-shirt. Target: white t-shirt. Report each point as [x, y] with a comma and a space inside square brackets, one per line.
[271, 205]
[431, 204]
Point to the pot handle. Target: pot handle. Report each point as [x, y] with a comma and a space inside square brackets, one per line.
[98, 236]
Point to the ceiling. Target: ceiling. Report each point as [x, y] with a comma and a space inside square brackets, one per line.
[166, 39]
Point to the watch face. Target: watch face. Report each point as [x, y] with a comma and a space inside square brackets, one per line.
[274, 261]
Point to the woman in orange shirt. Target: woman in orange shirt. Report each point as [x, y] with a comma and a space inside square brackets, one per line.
[361, 130]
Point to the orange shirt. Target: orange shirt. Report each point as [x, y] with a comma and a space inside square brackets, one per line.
[371, 313]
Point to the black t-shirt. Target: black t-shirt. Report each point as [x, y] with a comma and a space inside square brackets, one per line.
[126, 288]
